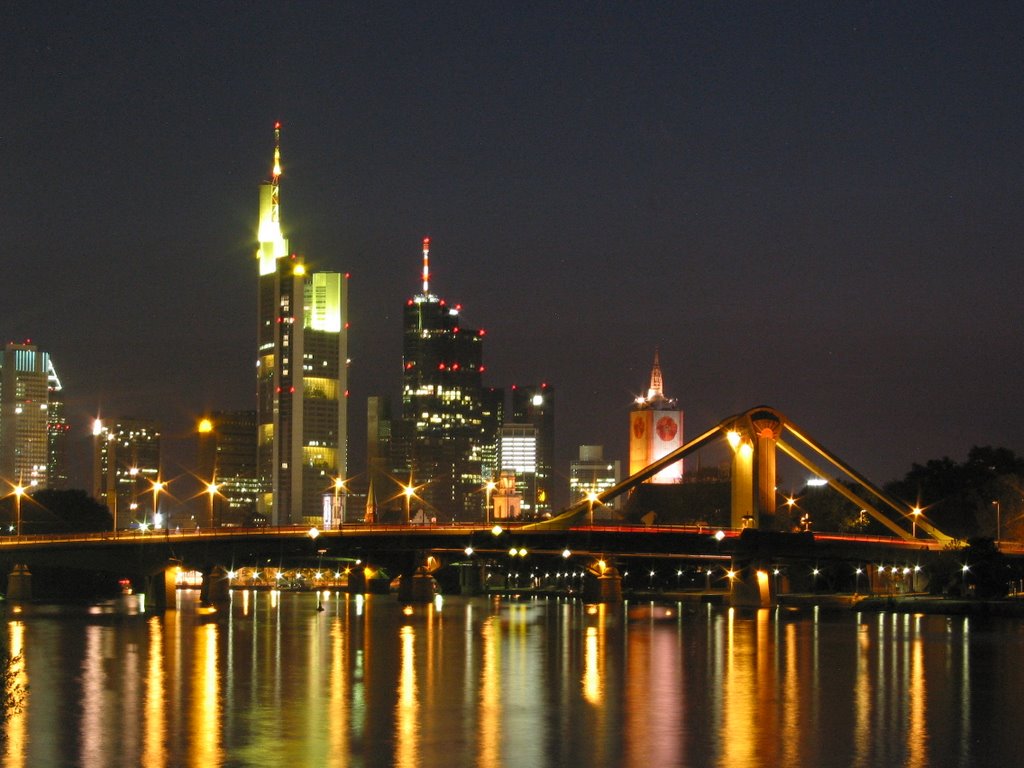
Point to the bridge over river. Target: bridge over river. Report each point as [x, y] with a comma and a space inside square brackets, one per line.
[750, 560]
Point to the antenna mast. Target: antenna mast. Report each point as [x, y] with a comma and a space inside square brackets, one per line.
[426, 265]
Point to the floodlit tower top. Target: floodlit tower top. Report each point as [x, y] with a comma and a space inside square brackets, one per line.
[272, 244]
[656, 390]
[275, 177]
[426, 265]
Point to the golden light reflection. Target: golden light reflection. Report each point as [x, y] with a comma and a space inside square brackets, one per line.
[205, 728]
[862, 700]
[154, 750]
[489, 745]
[791, 698]
[591, 667]
[17, 723]
[740, 733]
[93, 680]
[917, 735]
[407, 708]
[337, 729]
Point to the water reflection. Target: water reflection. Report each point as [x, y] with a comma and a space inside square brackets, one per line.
[270, 681]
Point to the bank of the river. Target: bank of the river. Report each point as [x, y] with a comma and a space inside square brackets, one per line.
[943, 605]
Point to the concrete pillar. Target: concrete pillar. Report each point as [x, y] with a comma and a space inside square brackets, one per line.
[606, 588]
[162, 591]
[471, 580]
[19, 584]
[743, 484]
[416, 587]
[356, 581]
[766, 427]
[216, 588]
[753, 586]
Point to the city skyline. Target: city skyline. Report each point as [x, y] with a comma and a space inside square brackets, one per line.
[809, 208]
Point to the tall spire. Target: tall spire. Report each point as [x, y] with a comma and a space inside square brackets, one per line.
[656, 390]
[426, 265]
[272, 245]
[275, 178]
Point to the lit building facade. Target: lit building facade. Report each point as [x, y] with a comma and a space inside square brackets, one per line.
[517, 457]
[655, 429]
[227, 458]
[301, 373]
[506, 501]
[442, 404]
[592, 473]
[535, 405]
[126, 464]
[24, 415]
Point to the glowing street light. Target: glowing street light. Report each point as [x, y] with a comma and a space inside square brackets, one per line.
[916, 512]
[157, 487]
[211, 490]
[19, 491]
[591, 498]
[339, 487]
[998, 521]
[409, 491]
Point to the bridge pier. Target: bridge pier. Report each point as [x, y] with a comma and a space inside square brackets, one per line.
[19, 584]
[752, 586]
[161, 590]
[471, 580]
[605, 588]
[216, 587]
[416, 587]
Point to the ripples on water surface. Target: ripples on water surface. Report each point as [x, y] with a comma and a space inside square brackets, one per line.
[482, 682]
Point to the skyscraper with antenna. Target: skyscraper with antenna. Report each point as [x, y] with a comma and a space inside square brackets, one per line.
[442, 403]
[301, 374]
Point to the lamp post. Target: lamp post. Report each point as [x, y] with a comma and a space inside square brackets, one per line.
[339, 486]
[409, 491]
[591, 498]
[157, 487]
[916, 512]
[19, 491]
[999, 522]
[211, 490]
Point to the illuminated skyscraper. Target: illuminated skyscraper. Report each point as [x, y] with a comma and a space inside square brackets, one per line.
[126, 463]
[655, 429]
[57, 429]
[535, 405]
[442, 402]
[301, 374]
[227, 457]
[24, 414]
[517, 457]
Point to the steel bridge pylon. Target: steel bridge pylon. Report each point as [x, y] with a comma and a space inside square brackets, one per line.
[756, 436]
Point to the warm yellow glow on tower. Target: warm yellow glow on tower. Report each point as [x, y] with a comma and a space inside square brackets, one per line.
[272, 244]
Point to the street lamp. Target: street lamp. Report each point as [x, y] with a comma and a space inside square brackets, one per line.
[998, 521]
[211, 490]
[19, 491]
[339, 486]
[916, 512]
[409, 491]
[591, 498]
[157, 487]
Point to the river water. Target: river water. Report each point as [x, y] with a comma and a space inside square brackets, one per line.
[487, 682]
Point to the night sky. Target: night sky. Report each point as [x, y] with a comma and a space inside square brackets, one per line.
[802, 205]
